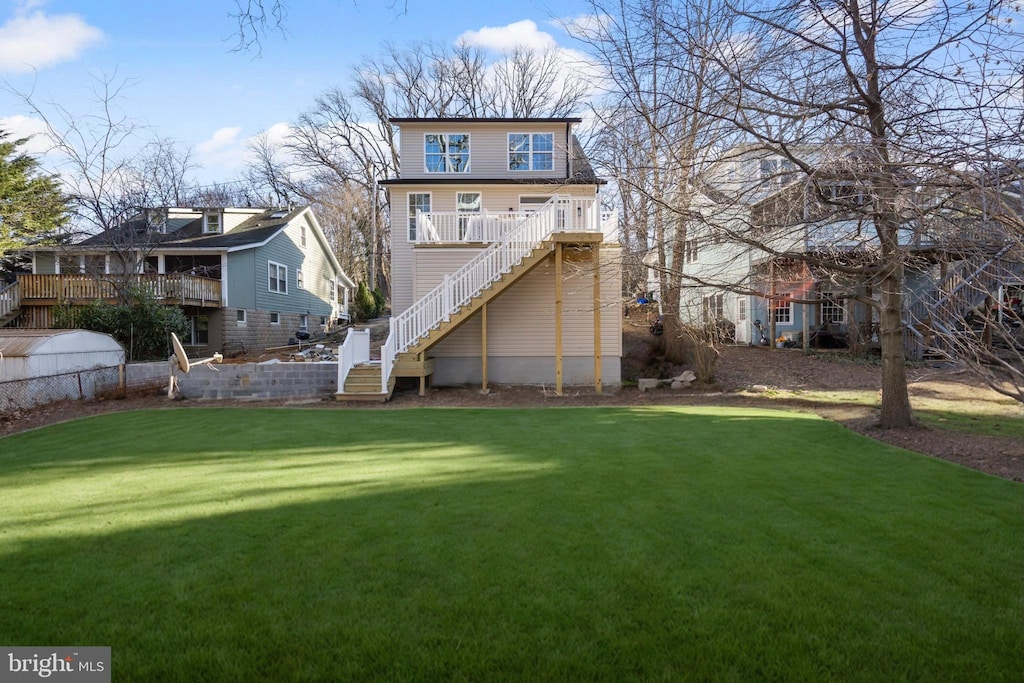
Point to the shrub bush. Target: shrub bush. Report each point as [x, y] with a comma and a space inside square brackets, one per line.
[140, 324]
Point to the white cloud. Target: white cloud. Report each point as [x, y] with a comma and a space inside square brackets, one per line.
[223, 138]
[37, 41]
[277, 134]
[502, 38]
[27, 127]
[226, 153]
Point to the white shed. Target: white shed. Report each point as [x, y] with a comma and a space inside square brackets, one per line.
[25, 354]
[42, 366]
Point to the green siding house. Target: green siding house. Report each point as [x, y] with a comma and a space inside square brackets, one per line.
[247, 278]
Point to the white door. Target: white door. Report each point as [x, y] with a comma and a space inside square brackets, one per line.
[742, 323]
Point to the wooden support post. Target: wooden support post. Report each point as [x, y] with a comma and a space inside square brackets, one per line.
[597, 318]
[771, 304]
[558, 318]
[808, 309]
[483, 349]
[421, 358]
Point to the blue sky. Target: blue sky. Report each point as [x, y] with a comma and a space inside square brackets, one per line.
[188, 85]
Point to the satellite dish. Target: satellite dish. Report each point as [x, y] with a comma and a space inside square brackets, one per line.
[179, 353]
[180, 362]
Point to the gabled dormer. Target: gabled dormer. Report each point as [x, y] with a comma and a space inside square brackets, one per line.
[213, 221]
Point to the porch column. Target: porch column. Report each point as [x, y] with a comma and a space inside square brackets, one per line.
[224, 280]
[597, 318]
[558, 318]
[483, 349]
[808, 309]
[161, 264]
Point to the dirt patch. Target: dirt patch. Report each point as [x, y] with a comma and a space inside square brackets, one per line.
[784, 378]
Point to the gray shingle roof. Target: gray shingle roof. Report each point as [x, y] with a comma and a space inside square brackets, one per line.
[254, 230]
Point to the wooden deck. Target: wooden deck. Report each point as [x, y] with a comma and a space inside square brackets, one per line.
[170, 288]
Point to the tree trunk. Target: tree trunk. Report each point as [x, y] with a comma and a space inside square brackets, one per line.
[896, 410]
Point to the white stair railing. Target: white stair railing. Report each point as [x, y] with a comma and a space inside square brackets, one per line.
[354, 350]
[458, 288]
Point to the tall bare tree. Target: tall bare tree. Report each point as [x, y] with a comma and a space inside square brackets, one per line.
[862, 102]
[111, 176]
[660, 123]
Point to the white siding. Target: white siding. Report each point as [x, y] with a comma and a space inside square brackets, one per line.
[488, 149]
[521, 322]
[405, 256]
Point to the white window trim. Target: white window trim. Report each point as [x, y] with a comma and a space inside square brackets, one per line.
[469, 153]
[300, 280]
[529, 154]
[835, 301]
[783, 303]
[467, 214]
[274, 314]
[206, 223]
[410, 231]
[279, 266]
[244, 320]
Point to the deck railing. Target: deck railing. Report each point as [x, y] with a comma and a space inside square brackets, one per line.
[573, 214]
[170, 287]
[10, 299]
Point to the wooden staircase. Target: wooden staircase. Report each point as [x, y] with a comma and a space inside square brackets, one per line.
[942, 311]
[364, 384]
[461, 294]
[489, 293]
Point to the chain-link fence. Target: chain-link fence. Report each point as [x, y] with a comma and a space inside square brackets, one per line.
[82, 384]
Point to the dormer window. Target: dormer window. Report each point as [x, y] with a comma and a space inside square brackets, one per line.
[531, 151]
[446, 152]
[211, 222]
[157, 220]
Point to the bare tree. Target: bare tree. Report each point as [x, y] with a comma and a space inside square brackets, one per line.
[862, 95]
[111, 180]
[254, 19]
[658, 132]
[529, 83]
[344, 145]
[853, 106]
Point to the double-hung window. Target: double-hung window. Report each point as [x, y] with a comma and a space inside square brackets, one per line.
[691, 250]
[446, 152]
[714, 308]
[833, 308]
[418, 201]
[531, 151]
[783, 309]
[277, 278]
[211, 222]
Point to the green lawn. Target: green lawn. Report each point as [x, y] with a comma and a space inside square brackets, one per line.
[615, 544]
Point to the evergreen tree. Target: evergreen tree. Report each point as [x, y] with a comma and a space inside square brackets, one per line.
[32, 205]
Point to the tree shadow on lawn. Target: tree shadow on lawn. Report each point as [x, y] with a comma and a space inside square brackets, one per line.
[525, 545]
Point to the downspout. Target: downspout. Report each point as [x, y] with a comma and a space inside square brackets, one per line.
[568, 150]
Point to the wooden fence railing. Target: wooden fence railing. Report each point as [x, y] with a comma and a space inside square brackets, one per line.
[170, 288]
